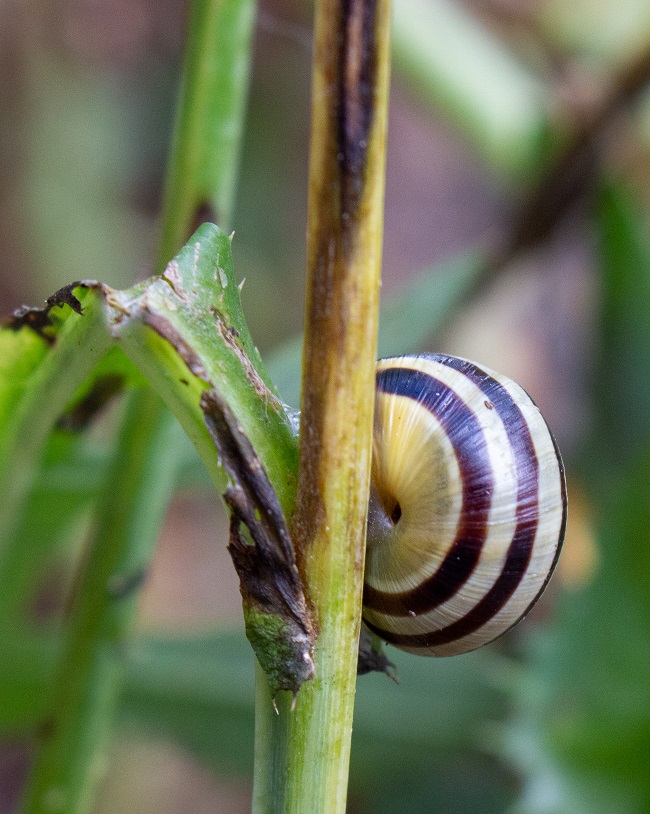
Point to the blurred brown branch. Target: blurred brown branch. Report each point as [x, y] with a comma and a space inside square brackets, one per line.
[572, 174]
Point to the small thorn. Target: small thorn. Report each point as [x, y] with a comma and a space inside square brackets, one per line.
[275, 706]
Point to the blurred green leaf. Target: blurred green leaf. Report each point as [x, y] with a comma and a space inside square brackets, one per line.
[36, 383]
[83, 691]
[53, 511]
[586, 710]
[590, 719]
[68, 468]
[621, 384]
[465, 72]
[21, 352]
[79, 466]
[198, 691]
[114, 370]
[28, 660]
[426, 303]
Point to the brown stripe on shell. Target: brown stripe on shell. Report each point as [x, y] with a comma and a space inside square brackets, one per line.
[470, 446]
[523, 539]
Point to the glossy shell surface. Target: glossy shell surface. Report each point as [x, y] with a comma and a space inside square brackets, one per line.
[468, 505]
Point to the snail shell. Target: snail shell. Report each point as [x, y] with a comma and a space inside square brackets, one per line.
[468, 505]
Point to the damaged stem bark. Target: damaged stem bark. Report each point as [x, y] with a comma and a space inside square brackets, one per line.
[307, 751]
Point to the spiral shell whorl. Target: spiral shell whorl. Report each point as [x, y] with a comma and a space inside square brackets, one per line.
[468, 505]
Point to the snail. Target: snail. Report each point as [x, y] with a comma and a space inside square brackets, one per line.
[467, 508]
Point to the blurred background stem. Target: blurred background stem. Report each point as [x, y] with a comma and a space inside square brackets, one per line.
[201, 175]
[74, 734]
[202, 171]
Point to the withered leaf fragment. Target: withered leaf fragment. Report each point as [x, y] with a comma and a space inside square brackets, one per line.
[277, 619]
[372, 658]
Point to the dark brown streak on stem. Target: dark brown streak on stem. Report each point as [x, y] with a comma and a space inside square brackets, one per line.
[357, 66]
[342, 118]
[203, 213]
[167, 331]
[345, 172]
[247, 474]
[82, 413]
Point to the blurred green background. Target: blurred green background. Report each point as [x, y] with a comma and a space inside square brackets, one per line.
[488, 96]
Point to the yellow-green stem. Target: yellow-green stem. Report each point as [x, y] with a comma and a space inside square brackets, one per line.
[309, 747]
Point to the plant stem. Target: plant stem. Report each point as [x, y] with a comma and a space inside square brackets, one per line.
[201, 173]
[138, 487]
[209, 123]
[303, 756]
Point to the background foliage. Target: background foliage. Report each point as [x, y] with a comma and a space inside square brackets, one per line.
[516, 234]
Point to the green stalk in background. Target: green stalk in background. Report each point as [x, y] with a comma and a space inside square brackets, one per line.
[76, 729]
[210, 121]
[499, 104]
[302, 755]
[201, 172]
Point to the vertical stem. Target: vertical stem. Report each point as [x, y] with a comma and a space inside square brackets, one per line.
[201, 174]
[209, 121]
[138, 487]
[349, 112]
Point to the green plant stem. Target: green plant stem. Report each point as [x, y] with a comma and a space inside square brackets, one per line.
[138, 487]
[201, 173]
[302, 756]
[209, 122]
